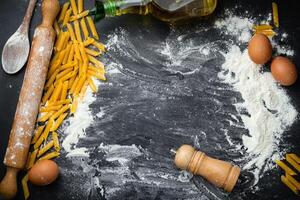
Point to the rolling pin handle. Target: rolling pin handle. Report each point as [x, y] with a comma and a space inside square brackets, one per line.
[50, 9]
[8, 186]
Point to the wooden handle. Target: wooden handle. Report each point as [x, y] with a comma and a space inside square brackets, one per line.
[218, 172]
[30, 97]
[8, 186]
[28, 15]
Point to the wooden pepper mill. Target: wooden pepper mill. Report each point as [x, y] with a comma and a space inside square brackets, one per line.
[220, 173]
[29, 99]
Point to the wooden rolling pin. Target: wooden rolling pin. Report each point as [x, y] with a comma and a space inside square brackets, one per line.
[218, 172]
[29, 99]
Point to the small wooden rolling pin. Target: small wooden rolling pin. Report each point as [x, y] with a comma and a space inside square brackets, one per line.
[220, 173]
[29, 99]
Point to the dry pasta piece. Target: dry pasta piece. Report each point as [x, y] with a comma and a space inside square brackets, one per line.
[49, 156]
[49, 108]
[80, 6]
[84, 29]
[98, 75]
[293, 181]
[61, 111]
[58, 103]
[67, 76]
[63, 11]
[275, 14]
[92, 27]
[74, 105]
[71, 54]
[99, 46]
[44, 135]
[66, 41]
[67, 17]
[88, 41]
[64, 90]
[83, 53]
[58, 41]
[55, 140]
[289, 184]
[293, 162]
[56, 27]
[32, 158]
[92, 85]
[295, 157]
[77, 52]
[59, 121]
[83, 89]
[71, 31]
[79, 16]
[95, 69]
[62, 41]
[56, 92]
[45, 148]
[96, 62]
[25, 186]
[92, 52]
[45, 117]
[47, 94]
[66, 56]
[68, 65]
[55, 57]
[71, 80]
[37, 133]
[263, 27]
[63, 73]
[50, 81]
[285, 168]
[80, 84]
[74, 7]
[77, 31]
[269, 33]
[74, 85]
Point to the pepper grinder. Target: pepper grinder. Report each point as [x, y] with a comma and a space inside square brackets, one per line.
[220, 173]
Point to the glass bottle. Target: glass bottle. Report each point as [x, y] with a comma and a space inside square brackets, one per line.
[165, 10]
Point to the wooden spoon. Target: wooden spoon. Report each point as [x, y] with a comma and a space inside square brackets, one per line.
[16, 49]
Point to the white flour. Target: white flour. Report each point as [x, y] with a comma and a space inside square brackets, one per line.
[269, 109]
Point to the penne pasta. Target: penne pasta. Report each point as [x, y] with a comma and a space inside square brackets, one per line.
[92, 85]
[71, 54]
[77, 31]
[74, 105]
[84, 29]
[74, 85]
[285, 168]
[80, 84]
[46, 148]
[66, 56]
[71, 32]
[25, 187]
[99, 46]
[45, 117]
[88, 41]
[44, 135]
[92, 27]
[58, 103]
[74, 7]
[289, 184]
[77, 52]
[49, 156]
[55, 140]
[64, 91]
[98, 75]
[37, 133]
[83, 54]
[28, 160]
[79, 16]
[67, 17]
[293, 162]
[63, 11]
[63, 73]
[47, 94]
[96, 62]
[49, 108]
[56, 92]
[59, 121]
[92, 52]
[32, 158]
[80, 6]
[52, 78]
[61, 111]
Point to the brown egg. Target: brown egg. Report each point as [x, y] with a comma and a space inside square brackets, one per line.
[284, 71]
[260, 49]
[43, 172]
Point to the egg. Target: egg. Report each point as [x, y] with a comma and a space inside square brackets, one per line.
[43, 172]
[284, 71]
[260, 49]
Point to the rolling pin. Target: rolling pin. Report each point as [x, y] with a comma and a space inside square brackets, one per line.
[218, 172]
[29, 99]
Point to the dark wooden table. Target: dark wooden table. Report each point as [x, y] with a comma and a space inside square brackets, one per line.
[132, 123]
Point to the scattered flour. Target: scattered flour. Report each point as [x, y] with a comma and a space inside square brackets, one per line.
[269, 109]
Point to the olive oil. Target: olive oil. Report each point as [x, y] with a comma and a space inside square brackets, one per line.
[170, 11]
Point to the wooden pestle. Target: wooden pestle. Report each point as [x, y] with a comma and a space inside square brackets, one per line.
[220, 173]
[29, 99]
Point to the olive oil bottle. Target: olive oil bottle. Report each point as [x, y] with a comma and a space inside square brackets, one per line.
[170, 11]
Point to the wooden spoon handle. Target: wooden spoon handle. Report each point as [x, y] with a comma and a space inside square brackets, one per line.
[28, 15]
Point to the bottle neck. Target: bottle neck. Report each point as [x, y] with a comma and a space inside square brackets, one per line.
[111, 8]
